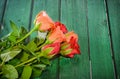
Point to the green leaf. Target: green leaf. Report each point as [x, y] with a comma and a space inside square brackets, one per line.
[14, 28]
[22, 32]
[14, 61]
[39, 41]
[12, 38]
[23, 47]
[36, 72]
[14, 35]
[24, 57]
[32, 46]
[20, 70]
[40, 66]
[3, 43]
[9, 71]
[27, 49]
[27, 71]
[45, 61]
[10, 53]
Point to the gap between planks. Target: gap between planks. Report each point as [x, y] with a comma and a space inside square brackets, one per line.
[3, 12]
[110, 37]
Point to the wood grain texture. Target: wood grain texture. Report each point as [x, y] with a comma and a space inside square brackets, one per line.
[88, 19]
[114, 18]
[51, 8]
[18, 12]
[73, 15]
[100, 51]
[2, 6]
[2, 2]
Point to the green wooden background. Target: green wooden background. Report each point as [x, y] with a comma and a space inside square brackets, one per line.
[97, 23]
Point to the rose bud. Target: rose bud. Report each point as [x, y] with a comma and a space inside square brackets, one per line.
[50, 50]
[45, 20]
[56, 35]
[70, 47]
[62, 27]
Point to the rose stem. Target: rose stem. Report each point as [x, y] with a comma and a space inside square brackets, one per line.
[34, 29]
[29, 60]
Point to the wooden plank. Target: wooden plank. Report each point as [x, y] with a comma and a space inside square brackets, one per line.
[100, 51]
[51, 7]
[18, 12]
[2, 5]
[73, 15]
[2, 2]
[114, 18]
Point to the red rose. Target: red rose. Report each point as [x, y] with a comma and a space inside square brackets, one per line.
[51, 50]
[45, 20]
[71, 34]
[56, 35]
[70, 47]
[62, 27]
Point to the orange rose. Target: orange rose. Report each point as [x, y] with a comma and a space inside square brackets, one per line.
[56, 35]
[45, 20]
[69, 35]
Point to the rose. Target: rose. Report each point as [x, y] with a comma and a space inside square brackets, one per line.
[50, 50]
[62, 27]
[69, 35]
[56, 35]
[45, 20]
[70, 47]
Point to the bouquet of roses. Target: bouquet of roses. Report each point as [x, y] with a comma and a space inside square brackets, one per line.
[20, 58]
